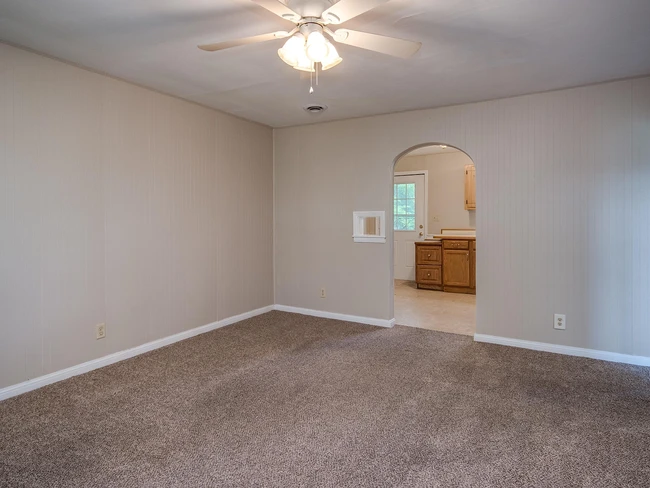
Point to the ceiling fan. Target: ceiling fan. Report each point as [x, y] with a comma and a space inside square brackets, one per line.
[307, 45]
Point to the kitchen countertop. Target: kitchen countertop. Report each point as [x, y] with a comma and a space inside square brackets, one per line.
[455, 237]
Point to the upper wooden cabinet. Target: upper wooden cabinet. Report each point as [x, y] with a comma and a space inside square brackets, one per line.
[470, 187]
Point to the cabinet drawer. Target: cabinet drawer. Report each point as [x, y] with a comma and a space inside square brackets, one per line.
[449, 244]
[428, 255]
[429, 275]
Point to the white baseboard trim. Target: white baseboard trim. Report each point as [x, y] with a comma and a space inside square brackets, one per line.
[337, 316]
[33, 384]
[566, 350]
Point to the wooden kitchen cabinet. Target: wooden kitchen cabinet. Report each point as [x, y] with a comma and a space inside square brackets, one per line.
[448, 265]
[459, 265]
[472, 263]
[470, 187]
[428, 265]
[456, 266]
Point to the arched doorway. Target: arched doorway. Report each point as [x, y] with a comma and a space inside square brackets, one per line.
[434, 239]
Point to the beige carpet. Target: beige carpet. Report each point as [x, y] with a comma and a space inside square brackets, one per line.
[286, 400]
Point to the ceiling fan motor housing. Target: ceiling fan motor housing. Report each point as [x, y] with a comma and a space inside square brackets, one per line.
[310, 26]
[309, 8]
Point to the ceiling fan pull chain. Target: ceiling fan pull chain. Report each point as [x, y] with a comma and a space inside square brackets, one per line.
[311, 82]
[317, 64]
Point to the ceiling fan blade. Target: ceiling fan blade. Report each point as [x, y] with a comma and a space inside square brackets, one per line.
[392, 46]
[347, 9]
[219, 46]
[279, 9]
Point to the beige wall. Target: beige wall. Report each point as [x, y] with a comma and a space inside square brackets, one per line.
[124, 206]
[446, 176]
[563, 219]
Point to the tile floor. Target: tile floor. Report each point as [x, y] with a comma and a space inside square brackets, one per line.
[434, 310]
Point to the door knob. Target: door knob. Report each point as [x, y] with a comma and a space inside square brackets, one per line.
[421, 227]
[421, 234]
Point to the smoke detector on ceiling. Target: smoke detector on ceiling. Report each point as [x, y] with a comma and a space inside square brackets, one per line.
[314, 108]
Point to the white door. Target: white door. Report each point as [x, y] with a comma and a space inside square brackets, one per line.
[408, 222]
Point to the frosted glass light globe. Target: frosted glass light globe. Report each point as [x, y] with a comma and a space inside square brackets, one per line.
[332, 59]
[292, 50]
[317, 47]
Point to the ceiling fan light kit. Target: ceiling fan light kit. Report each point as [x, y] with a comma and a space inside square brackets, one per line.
[317, 47]
[292, 49]
[307, 45]
[332, 59]
[304, 63]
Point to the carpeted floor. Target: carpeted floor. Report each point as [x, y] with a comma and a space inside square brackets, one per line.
[287, 400]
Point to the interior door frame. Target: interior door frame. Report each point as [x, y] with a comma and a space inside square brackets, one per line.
[390, 233]
[424, 172]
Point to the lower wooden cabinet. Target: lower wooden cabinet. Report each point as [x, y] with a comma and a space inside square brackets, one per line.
[456, 265]
[448, 266]
[428, 254]
[472, 264]
[428, 265]
[429, 275]
[459, 265]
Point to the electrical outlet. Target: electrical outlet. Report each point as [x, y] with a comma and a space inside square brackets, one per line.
[322, 293]
[100, 331]
[560, 322]
[436, 218]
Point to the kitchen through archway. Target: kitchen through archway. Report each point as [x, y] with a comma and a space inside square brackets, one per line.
[434, 239]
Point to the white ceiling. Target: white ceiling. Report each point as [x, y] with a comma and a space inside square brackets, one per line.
[472, 50]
